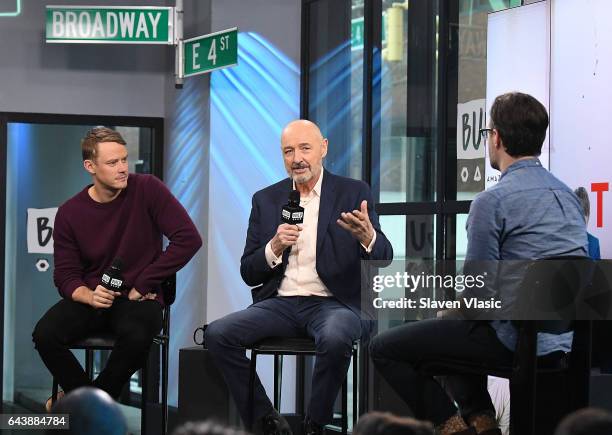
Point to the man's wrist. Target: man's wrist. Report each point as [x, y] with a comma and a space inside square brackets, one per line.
[277, 247]
[272, 259]
[369, 243]
[83, 295]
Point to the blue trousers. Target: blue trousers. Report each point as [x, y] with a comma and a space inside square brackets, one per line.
[333, 326]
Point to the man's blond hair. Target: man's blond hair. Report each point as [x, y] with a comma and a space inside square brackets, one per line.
[89, 144]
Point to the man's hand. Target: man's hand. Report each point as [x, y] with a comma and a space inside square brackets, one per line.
[102, 297]
[358, 224]
[286, 235]
[135, 295]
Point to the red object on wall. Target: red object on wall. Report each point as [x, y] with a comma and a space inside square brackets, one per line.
[600, 188]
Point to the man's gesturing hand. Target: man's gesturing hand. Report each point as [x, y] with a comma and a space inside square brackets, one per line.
[102, 297]
[358, 224]
[286, 235]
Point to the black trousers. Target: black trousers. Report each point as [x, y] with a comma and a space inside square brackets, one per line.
[134, 324]
[399, 352]
[333, 326]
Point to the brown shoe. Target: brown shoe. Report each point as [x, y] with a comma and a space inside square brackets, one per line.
[51, 402]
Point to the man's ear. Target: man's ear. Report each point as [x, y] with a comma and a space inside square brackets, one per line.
[324, 146]
[89, 166]
[497, 142]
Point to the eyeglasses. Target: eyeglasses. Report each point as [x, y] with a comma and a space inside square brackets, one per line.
[484, 132]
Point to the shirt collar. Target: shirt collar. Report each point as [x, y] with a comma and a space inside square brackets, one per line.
[526, 163]
[317, 188]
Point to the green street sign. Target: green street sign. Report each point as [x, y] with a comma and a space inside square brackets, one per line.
[207, 53]
[358, 29]
[357, 33]
[110, 25]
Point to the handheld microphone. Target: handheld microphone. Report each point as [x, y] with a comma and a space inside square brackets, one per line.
[112, 279]
[292, 213]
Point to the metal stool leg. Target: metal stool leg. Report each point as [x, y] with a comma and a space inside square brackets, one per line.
[144, 373]
[300, 405]
[251, 400]
[54, 392]
[356, 386]
[344, 399]
[364, 368]
[89, 363]
[278, 380]
[165, 349]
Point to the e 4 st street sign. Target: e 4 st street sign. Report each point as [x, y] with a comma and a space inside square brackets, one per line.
[104, 25]
[207, 53]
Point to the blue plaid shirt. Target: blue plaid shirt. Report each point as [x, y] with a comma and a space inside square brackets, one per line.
[528, 214]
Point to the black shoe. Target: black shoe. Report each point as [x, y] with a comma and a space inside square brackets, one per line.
[469, 431]
[275, 424]
[312, 428]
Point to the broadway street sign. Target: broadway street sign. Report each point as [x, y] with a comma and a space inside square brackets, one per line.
[110, 25]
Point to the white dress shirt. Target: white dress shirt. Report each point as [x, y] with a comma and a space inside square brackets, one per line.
[301, 278]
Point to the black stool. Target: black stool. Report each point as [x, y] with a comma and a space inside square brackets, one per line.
[105, 341]
[299, 346]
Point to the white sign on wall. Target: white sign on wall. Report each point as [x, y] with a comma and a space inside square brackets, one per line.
[40, 230]
[471, 117]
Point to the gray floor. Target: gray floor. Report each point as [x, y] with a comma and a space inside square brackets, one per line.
[31, 401]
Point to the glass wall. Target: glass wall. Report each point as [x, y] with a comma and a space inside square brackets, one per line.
[407, 152]
[335, 77]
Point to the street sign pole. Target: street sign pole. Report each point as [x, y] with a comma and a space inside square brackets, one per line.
[178, 47]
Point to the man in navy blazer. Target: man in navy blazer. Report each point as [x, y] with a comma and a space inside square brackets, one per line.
[306, 278]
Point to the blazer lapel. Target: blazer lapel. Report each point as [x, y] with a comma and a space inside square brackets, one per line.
[328, 199]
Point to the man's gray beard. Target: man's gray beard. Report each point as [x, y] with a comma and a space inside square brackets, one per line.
[301, 179]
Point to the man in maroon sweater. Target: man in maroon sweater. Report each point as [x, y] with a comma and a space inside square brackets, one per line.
[118, 216]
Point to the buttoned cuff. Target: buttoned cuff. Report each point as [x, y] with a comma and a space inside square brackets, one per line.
[272, 259]
[369, 248]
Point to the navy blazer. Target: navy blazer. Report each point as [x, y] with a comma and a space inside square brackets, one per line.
[339, 254]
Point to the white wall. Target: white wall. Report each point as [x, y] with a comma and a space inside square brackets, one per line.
[581, 102]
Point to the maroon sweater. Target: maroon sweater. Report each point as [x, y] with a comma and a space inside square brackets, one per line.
[88, 235]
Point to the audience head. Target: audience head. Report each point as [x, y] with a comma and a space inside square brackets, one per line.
[379, 423]
[206, 428]
[92, 412]
[583, 197]
[587, 421]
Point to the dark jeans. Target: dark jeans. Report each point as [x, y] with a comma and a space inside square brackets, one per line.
[134, 324]
[333, 326]
[398, 353]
